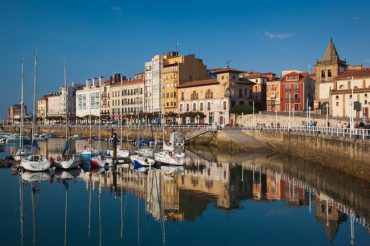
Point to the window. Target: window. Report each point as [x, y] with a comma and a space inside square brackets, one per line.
[224, 105]
[337, 104]
[187, 107]
[209, 94]
[194, 95]
[222, 77]
[296, 88]
[295, 107]
[208, 106]
[240, 92]
[182, 95]
[329, 73]
[323, 74]
[287, 107]
[337, 97]
[194, 107]
[201, 106]
[233, 76]
[365, 102]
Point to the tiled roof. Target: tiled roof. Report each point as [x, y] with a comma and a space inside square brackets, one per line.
[302, 76]
[354, 73]
[195, 83]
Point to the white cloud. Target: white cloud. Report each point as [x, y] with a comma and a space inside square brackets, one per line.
[117, 9]
[278, 35]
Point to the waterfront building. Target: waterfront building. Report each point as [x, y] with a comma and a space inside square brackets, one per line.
[210, 100]
[297, 91]
[273, 95]
[177, 70]
[14, 112]
[259, 90]
[127, 98]
[342, 101]
[88, 99]
[152, 83]
[42, 108]
[326, 70]
[55, 104]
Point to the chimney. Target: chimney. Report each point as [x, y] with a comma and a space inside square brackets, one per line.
[101, 79]
[88, 83]
[96, 82]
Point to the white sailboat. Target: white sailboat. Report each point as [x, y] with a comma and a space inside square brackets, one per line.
[35, 162]
[22, 151]
[168, 156]
[67, 161]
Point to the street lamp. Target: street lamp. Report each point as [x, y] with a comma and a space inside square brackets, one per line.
[327, 116]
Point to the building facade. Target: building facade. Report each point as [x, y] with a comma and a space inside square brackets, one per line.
[88, 99]
[343, 101]
[213, 98]
[176, 71]
[273, 95]
[42, 107]
[152, 91]
[297, 92]
[14, 112]
[127, 98]
[326, 70]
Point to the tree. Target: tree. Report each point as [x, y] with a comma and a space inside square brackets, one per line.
[239, 109]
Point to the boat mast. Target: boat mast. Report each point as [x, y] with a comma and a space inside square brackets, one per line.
[66, 98]
[34, 99]
[121, 113]
[100, 85]
[21, 126]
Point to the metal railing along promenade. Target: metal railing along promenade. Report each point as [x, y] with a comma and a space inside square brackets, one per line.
[326, 131]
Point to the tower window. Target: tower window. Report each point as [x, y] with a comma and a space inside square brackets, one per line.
[329, 73]
[323, 74]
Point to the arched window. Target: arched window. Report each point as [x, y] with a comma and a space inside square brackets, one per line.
[194, 95]
[329, 73]
[323, 74]
[209, 94]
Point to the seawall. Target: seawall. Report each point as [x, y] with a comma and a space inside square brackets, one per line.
[349, 156]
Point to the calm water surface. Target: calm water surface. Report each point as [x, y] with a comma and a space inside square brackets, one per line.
[219, 199]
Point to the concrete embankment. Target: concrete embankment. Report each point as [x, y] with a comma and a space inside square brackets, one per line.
[349, 156]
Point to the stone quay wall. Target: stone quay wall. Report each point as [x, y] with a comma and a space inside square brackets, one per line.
[349, 156]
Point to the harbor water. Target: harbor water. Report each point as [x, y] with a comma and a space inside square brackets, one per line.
[217, 198]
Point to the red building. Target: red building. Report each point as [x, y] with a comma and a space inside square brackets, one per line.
[296, 92]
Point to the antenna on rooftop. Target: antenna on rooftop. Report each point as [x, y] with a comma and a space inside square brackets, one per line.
[228, 63]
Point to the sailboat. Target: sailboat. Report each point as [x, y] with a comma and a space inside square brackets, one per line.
[35, 162]
[101, 160]
[23, 151]
[67, 161]
[141, 160]
[168, 156]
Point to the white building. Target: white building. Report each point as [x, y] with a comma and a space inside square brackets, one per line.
[341, 97]
[57, 102]
[88, 98]
[152, 83]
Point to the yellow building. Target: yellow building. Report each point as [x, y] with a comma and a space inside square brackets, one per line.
[177, 70]
[42, 108]
[273, 96]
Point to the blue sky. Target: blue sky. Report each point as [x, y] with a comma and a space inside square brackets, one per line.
[102, 37]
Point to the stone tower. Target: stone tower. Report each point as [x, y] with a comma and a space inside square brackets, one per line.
[326, 70]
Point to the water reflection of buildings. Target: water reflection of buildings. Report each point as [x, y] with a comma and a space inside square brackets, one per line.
[187, 195]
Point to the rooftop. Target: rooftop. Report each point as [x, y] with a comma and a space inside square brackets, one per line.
[355, 74]
[225, 70]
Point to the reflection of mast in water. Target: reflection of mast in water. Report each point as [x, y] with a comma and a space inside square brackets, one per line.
[21, 208]
[100, 237]
[89, 224]
[65, 215]
[34, 193]
[138, 211]
[124, 209]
